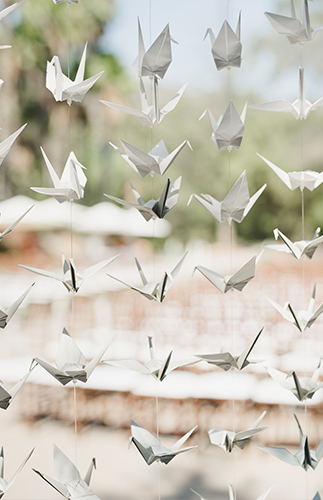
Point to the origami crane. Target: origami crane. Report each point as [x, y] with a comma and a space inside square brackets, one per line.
[70, 278]
[64, 89]
[155, 61]
[5, 485]
[235, 206]
[71, 184]
[232, 496]
[227, 440]
[227, 361]
[14, 224]
[306, 179]
[6, 313]
[155, 290]
[158, 369]
[228, 131]
[157, 161]
[153, 209]
[67, 1]
[302, 320]
[236, 281]
[67, 479]
[8, 142]
[299, 248]
[8, 395]
[226, 47]
[296, 31]
[151, 448]
[70, 362]
[304, 457]
[302, 389]
[300, 108]
[150, 112]
[5, 12]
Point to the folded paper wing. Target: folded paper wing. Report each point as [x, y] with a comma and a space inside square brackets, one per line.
[7, 313]
[7, 396]
[5, 145]
[14, 224]
[5, 485]
[298, 248]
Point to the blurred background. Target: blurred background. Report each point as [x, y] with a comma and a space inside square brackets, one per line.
[195, 317]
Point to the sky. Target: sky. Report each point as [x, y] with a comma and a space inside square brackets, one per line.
[192, 59]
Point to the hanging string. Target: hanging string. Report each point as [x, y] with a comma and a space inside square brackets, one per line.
[75, 421]
[68, 37]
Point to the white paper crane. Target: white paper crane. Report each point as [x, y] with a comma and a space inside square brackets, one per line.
[67, 479]
[70, 278]
[14, 224]
[300, 108]
[226, 47]
[64, 89]
[8, 395]
[6, 313]
[229, 129]
[5, 485]
[70, 362]
[232, 495]
[157, 161]
[5, 145]
[227, 440]
[151, 448]
[298, 248]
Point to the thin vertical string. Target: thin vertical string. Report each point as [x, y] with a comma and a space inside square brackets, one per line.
[75, 421]
[68, 37]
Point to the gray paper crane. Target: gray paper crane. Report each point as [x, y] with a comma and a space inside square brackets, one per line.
[302, 319]
[227, 361]
[232, 495]
[6, 313]
[227, 440]
[155, 367]
[296, 31]
[5, 485]
[157, 161]
[8, 395]
[302, 389]
[70, 186]
[305, 457]
[226, 47]
[236, 204]
[67, 479]
[229, 129]
[297, 179]
[236, 281]
[155, 290]
[70, 278]
[300, 109]
[298, 248]
[64, 89]
[150, 112]
[153, 209]
[70, 361]
[151, 448]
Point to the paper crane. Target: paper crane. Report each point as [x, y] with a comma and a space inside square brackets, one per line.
[70, 362]
[303, 319]
[296, 31]
[232, 495]
[67, 479]
[299, 248]
[5, 485]
[64, 89]
[151, 448]
[227, 361]
[158, 369]
[235, 206]
[301, 388]
[155, 290]
[227, 440]
[8, 142]
[153, 209]
[304, 457]
[66, 1]
[70, 278]
[300, 108]
[71, 184]
[236, 281]
[150, 112]
[8, 395]
[228, 131]
[157, 161]
[14, 224]
[306, 179]
[6, 313]
[226, 47]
